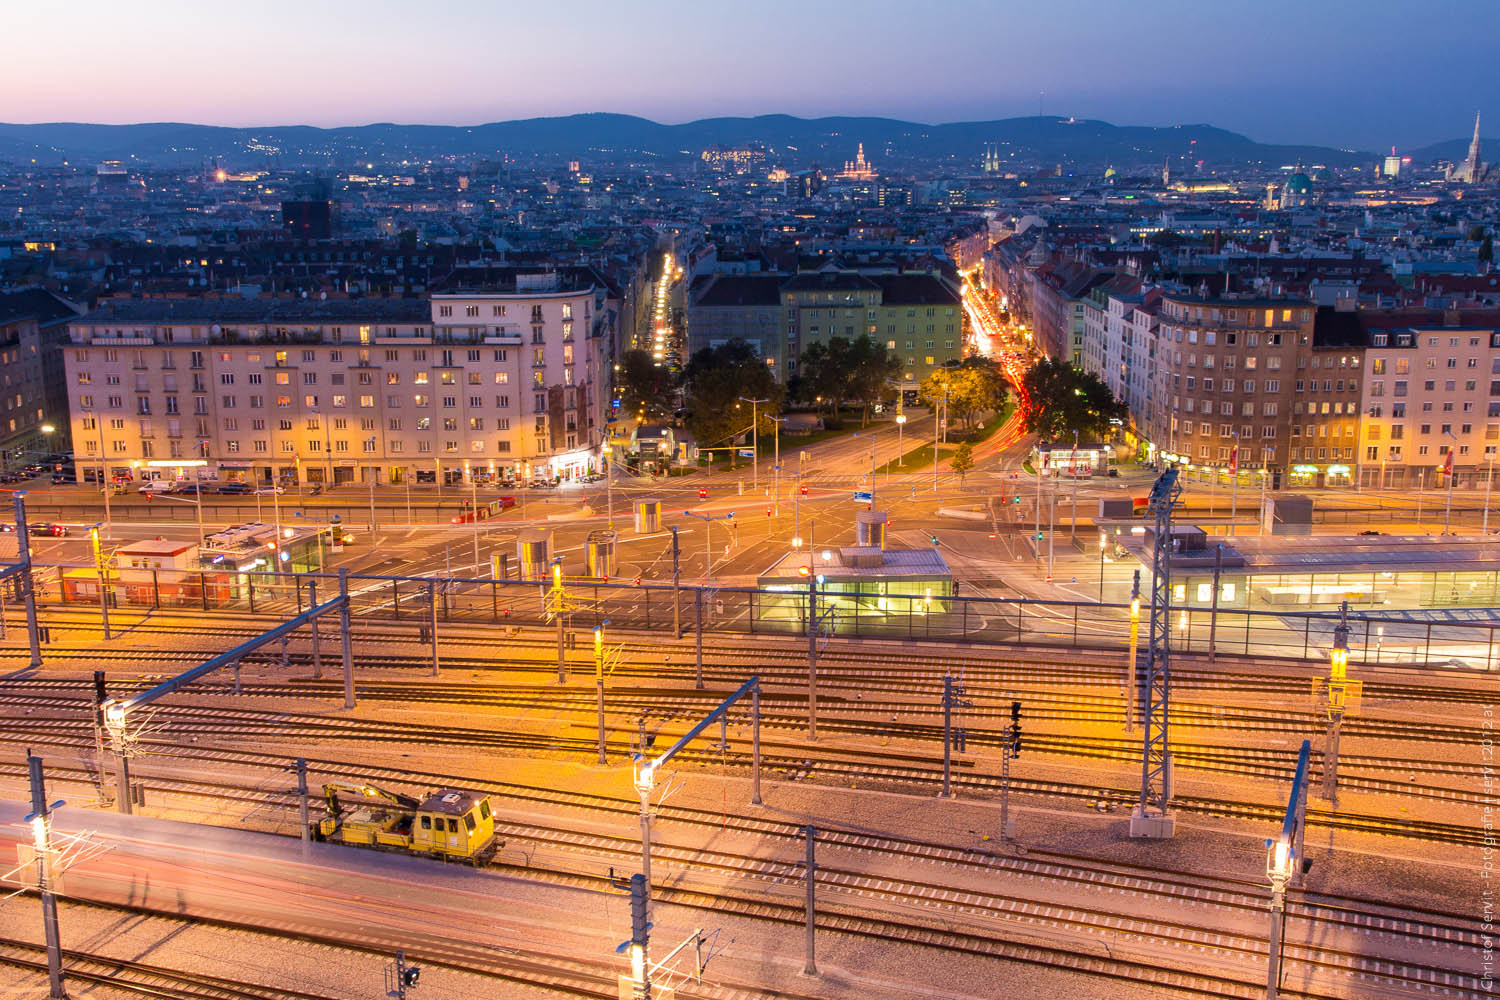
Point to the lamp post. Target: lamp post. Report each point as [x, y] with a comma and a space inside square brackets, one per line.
[104, 482]
[1130, 671]
[900, 439]
[103, 579]
[1103, 540]
[1234, 488]
[755, 439]
[609, 479]
[1073, 520]
[1448, 470]
[1489, 481]
[1264, 476]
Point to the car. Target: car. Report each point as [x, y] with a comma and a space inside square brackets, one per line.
[233, 489]
[188, 489]
[59, 478]
[48, 529]
[1370, 531]
[270, 491]
[155, 486]
[11, 477]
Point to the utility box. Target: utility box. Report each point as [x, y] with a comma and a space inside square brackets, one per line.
[869, 529]
[647, 517]
[599, 547]
[1116, 508]
[534, 549]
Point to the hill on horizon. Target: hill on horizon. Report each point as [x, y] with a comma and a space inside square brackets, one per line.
[1027, 142]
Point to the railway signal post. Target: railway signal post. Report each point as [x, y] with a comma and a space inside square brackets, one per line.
[810, 873]
[1337, 695]
[40, 819]
[1132, 671]
[1010, 749]
[1284, 866]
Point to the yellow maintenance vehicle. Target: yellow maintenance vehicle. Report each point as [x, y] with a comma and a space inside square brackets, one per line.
[449, 823]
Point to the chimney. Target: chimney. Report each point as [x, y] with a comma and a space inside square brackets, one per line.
[1450, 317]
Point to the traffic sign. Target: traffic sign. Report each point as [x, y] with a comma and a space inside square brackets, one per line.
[863, 495]
[747, 453]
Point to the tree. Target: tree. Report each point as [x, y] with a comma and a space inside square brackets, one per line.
[870, 366]
[716, 378]
[1487, 250]
[647, 388]
[1060, 399]
[972, 388]
[963, 460]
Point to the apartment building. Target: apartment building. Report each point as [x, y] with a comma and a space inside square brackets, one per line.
[1431, 386]
[1128, 362]
[1327, 403]
[1226, 369]
[33, 327]
[500, 378]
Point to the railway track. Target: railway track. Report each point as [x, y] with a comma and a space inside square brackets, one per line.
[929, 908]
[776, 654]
[792, 760]
[854, 718]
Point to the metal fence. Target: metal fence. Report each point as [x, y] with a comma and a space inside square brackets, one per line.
[1429, 639]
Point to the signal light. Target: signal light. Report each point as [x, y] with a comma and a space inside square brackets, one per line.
[1039, 536]
[410, 975]
[768, 512]
[992, 535]
[804, 491]
[703, 494]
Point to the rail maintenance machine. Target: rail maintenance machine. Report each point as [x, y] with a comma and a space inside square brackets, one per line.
[448, 824]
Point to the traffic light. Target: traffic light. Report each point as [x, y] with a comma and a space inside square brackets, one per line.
[1039, 536]
[934, 539]
[410, 975]
[768, 512]
[702, 494]
[1015, 726]
[804, 491]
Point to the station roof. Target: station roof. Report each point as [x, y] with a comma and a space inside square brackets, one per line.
[1299, 554]
[894, 563]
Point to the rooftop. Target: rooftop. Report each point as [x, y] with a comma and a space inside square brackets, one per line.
[201, 312]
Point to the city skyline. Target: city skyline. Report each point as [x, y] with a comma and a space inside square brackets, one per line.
[1335, 74]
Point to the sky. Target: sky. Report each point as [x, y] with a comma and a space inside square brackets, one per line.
[1360, 74]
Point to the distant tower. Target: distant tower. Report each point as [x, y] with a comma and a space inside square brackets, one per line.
[1472, 170]
[1166, 171]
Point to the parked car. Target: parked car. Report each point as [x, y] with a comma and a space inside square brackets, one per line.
[188, 489]
[11, 477]
[233, 489]
[48, 529]
[267, 491]
[155, 486]
[59, 478]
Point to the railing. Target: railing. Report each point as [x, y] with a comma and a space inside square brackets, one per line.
[1411, 639]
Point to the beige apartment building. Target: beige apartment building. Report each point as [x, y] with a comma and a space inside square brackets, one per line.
[502, 376]
[1432, 384]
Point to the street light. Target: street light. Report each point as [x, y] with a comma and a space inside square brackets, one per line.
[609, 479]
[755, 439]
[1103, 540]
[1448, 470]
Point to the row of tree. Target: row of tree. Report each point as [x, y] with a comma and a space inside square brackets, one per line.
[1057, 399]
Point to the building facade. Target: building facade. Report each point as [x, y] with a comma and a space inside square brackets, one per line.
[493, 381]
[33, 329]
[1430, 387]
[1226, 368]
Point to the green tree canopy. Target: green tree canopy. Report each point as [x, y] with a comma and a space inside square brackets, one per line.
[1061, 399]
[846, 371]
[647, 389]
[716, 378]
[973, 387]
